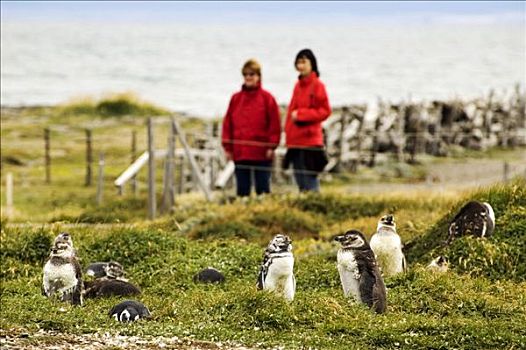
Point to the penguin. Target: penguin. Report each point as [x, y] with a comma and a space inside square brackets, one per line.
[110, 269]
[111, 283]
[475, 218]
[387, 247]
[129, 311]
[209, 275]
[106, 287]
[63, 274]
[277, 269]
[439, 264]
[359, 273]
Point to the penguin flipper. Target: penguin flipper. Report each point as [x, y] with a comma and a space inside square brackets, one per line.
[379, 297]
[76, 295]
[367, 284]
[261, 278]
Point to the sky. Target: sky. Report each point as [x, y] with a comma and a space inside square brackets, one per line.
[226, 11]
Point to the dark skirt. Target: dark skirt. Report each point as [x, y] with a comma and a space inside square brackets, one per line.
[313, 159]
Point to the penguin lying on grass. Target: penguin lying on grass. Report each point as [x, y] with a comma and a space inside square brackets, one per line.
[109, 287]
[277, 269]
[359, 273]
[112, 282]
[387, 247]
[209, 275]
[62, 272]
[129, 311]
[475, 218]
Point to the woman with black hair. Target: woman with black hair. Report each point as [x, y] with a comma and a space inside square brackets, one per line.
[308, 108]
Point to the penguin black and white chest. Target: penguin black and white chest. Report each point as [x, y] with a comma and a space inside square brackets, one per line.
[359, 273]
[475, 218]
[387, 247]
[277, 269]
[63, 274]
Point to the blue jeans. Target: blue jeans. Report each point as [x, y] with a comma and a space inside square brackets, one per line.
[306, 180]
[260, 170]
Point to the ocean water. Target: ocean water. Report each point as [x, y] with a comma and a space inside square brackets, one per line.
[194, 68]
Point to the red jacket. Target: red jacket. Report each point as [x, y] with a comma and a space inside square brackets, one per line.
[251, 125]
[311, 101]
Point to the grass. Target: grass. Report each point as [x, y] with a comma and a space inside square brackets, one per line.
[479, 304]
[115, 105]
[471, 307]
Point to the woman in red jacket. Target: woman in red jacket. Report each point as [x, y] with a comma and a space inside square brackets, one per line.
[308, 108]
[251, 132]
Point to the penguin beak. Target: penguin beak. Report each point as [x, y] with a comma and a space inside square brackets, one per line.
[338, 238]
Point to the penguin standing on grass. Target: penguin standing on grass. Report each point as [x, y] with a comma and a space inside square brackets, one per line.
[277, 269]
[62, 272]
[387, 247]
[475, 218]
[359, 273]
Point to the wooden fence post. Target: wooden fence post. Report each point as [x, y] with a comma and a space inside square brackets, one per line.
[47, 155]
[100, 182]
[195, 169]
[133, 157]
[168, 177]
[343, 126]
[151, 171]
[182, 174]
[506, 173]
[89, 158]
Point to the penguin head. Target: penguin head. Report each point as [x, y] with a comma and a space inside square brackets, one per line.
[387, 221]
[280, 243]
[440, 264]
[441, 260]
[352, 239]
[65, 238]
[113, 269]
[62, 250]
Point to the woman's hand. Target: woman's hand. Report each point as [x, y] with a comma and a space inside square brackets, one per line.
[229, 156]
[270, 154]
[294, 115]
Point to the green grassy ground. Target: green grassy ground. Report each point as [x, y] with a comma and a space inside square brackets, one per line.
[477, 305]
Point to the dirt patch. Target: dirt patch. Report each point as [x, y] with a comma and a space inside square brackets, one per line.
[453, 176]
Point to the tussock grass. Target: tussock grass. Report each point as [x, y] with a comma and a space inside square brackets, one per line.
[501, 255]
[113, 105]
